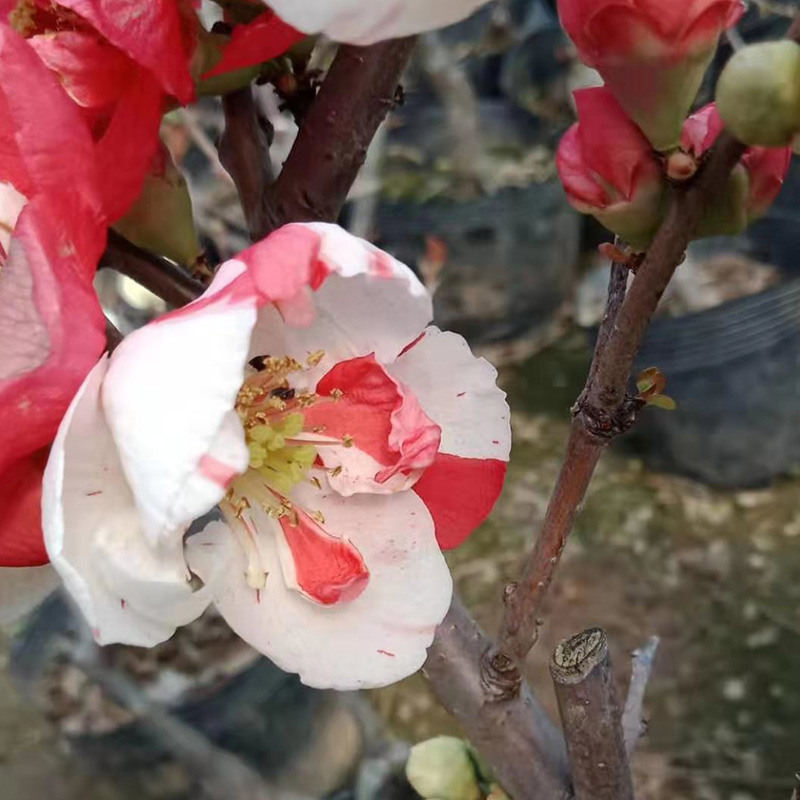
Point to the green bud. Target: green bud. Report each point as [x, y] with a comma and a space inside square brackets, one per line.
[161, 218]
[443, 769]
[758, 94]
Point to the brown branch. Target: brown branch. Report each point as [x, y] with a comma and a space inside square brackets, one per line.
[605, 409]
[244, 152]
[163, 278]
[360, 90]
[590, 714]
[633, 723]
[517, 738]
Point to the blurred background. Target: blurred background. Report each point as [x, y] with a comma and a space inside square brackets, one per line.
[692, 526]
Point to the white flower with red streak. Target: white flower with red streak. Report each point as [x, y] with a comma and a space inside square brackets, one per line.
[345, 443]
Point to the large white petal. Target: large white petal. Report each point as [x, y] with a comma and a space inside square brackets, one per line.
[22, 589]
[459, 393]
[357, 22]
[169, 398]
[377, 639]
[368, 303]
[128, 592]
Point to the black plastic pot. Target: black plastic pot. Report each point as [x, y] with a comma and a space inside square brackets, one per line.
[735, 372]
[510, 251]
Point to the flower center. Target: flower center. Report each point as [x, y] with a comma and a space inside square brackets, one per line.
[323, 567]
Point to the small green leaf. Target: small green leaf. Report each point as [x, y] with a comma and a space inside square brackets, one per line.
[662, 401]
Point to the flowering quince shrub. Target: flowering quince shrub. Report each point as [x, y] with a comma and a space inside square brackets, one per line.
[51, 325]
[345, 443]
[651, 54]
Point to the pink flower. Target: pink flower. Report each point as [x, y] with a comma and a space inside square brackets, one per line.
[609, 170]
[359, 22]
[652, 54]
[51, 325]
[755, 183]
[344, 442]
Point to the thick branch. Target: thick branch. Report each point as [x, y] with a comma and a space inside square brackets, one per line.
[163, 278]
[244, 152]
[358, 93]
[633, 724]
[516, 736]
[605, 409]
[590, 714]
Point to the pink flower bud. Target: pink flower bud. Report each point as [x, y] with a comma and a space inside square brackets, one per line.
[652, 54]
[609, 170]
[754, 183]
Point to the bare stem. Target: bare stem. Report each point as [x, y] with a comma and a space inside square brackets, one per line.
[360, 90]
[605, 408]
[590, 714]
[163, 278]
[244, 152]
[516, 736]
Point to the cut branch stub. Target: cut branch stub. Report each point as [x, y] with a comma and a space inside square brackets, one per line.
[590, 714]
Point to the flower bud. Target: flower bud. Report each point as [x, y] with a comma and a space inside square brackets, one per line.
[161, 218]
[753, 185]
[609, 170]
[443, 769]
[652, 55]
[758, 94]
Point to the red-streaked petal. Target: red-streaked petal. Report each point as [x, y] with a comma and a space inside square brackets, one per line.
[460, 493]
[325, 568]
[383, 419]
[268, 36]
[374, 640]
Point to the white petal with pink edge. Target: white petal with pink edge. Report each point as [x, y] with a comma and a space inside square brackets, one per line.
[374, 640]
[22, 589]
[368, 302]
[128, 592]
[168, 398]
[459, 393]
[357, 22]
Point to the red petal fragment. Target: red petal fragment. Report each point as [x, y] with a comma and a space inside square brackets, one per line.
[21, 540]
[328, 569]
[382, 416]
[460, 493]
[266, 37]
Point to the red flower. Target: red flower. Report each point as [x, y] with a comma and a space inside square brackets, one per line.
[51, 235]
[118, 60]
[608, 168]
[755, 182]
[652, 54]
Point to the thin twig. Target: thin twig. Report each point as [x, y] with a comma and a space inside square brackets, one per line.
[590, 714]
[244, 152]
[163, 278]
[633, 723]
[605, 409]
[360, 90]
